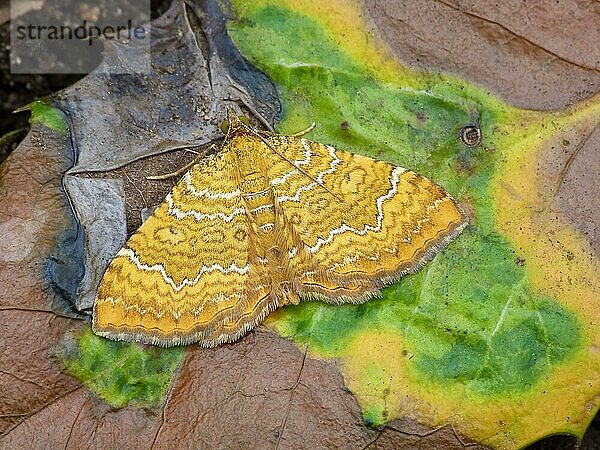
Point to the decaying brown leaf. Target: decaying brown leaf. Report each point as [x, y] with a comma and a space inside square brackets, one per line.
[536, 55]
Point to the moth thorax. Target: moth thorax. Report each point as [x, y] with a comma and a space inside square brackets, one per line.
[260, 202]
[246, 151]
[265, 219]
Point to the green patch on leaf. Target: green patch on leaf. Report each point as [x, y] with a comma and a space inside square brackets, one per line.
[121, 373]
[42, 112]
[476, 321]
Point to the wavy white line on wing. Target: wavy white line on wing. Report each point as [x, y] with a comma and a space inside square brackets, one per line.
[187, 178]
[127, 252]
[262, 208]
[319, 178]
[334, 232]
[299, 162]
[174, 211]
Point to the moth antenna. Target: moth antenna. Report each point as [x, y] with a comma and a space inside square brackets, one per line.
[299, 169]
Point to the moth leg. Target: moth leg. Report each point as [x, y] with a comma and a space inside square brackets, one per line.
[305, 131]
[185, 168]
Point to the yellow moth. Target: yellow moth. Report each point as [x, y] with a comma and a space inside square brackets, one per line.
[264, 222]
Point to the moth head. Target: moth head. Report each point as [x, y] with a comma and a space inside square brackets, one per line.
[234, 122]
